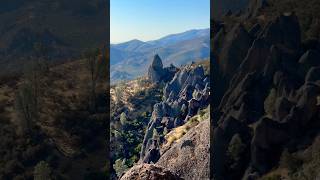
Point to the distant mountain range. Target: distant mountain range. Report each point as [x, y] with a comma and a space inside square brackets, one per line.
[131, 59]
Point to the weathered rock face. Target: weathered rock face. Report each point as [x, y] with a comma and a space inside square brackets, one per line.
[285, 30]
[186, 159]
[153, 154]
[254, 6]
[178, 104]
[271, 101]
[149, 171]
[185, 92]
[234, 49]
[189, 158]
[157, 73]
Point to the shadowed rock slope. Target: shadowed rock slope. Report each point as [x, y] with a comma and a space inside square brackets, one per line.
[268, 104]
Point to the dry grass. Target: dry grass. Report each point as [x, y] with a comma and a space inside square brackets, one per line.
[122, 92]
[277, 174]
[177, 133]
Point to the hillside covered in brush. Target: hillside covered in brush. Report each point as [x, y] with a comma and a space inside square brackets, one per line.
[66, 28]
[53, 120]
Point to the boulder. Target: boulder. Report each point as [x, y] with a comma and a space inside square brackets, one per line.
[154, 122]
[153, 153]
[149, 171]
[310, 58]
[222, 135]
[189, 158]
[266, 144]
[284, 30]
[168, 122]
[313, 75]
[234, 49]
[193, 107]
[282, 108]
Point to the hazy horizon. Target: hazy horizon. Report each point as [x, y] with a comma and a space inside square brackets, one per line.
[148, 20]
[173, 33]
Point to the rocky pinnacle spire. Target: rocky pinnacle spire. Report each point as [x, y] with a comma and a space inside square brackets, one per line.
[157, 62]
[155, 71]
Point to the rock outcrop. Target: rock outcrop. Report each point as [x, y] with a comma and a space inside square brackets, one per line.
[157, 73]
[271, 100]
[183, 96]
[173, 135]
[149, 171]
[189, 158]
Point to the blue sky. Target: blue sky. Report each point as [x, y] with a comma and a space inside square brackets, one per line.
[153, 19]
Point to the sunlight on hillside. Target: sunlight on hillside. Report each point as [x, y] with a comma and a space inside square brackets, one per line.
[122, 92]
[177, 133]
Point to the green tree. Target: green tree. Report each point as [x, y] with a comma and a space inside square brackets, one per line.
[42, 171]
[96, 65]
[120, 167]
[28, 95]
[25, 108]
[123, 118]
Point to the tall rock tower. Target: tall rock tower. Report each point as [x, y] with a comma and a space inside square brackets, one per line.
[156, 71]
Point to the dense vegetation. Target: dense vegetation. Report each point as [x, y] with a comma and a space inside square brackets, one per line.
[130, 114]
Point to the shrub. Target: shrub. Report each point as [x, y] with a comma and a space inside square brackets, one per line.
[273, 176]
[123, 118]
[120, 167]
[42, 171]
[26, 108]
[236, 147]
[311, 166]
[290, 161]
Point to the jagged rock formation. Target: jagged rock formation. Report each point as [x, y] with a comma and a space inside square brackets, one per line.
[189, 158]
[184, 94]
[149, 171]
[186, 159]
[247, 8]
[270, 103]
[187, 92]
[156, 72]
